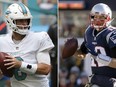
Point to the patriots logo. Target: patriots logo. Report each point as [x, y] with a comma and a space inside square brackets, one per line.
[113, 38]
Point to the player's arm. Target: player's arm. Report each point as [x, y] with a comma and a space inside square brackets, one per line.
[43, 66]
[113, 61]
[108, 61]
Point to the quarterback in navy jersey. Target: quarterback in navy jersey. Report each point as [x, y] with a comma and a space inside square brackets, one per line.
[100, 42]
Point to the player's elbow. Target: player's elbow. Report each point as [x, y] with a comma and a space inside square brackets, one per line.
[43, 69]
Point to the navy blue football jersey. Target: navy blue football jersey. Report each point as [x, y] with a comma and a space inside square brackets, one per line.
[101, 43]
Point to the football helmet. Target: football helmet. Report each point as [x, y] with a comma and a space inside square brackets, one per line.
[18, 11]
[100, 16]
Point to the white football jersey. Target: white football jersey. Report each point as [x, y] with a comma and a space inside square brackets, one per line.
[26, 51]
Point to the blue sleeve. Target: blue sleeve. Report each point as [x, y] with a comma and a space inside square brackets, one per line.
[88, 39]
[112, 39]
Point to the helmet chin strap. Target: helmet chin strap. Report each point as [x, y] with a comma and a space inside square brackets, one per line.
[99, 28]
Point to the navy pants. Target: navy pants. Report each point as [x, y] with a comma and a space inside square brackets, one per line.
[103, 81]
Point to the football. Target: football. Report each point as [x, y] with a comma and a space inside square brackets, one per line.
[69, 48]
[5, 71]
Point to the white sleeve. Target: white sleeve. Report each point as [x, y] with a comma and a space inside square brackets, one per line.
[43, 57]
[46, 42]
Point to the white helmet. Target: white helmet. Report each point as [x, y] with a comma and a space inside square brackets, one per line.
[100, 13]
[18, 11]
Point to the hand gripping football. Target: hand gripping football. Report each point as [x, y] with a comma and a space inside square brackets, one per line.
[5, 71]
[70, 48]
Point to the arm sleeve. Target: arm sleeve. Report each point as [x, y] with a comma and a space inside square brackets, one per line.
[113, 52]
[112, 39]
[46, 42]
[43, 57]
[83, 48]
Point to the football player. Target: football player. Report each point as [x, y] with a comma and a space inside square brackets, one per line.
[100, 42]
[29, 51]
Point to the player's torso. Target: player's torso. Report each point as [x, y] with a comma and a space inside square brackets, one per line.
[26, 49]
[98, 44]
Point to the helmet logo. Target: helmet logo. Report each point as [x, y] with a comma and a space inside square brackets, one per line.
[8, 12]
[24, 10]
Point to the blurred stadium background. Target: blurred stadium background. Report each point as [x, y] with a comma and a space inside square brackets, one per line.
[73, 20]
[44, 14]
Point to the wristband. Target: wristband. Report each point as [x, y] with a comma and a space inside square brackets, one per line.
[28, 68]
[104, 59]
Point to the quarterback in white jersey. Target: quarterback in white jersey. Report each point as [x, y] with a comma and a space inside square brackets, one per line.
[29, 51]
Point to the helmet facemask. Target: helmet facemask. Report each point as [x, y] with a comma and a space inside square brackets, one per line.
[21, 28]
[99, 21]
